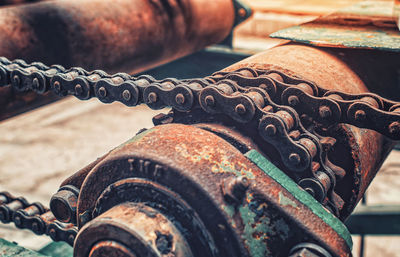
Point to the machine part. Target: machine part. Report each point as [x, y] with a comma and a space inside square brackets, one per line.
[186, 179]
[63, 204]
[308, 250]
[175, 178]
[140, 230]
[245, 95]
[367, 25]
[360, 152]
[299, 154]
[125, 35]
[34, 217]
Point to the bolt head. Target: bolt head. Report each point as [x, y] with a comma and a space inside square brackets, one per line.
[71, 239]
[180, 99]
[240, 109]
[294, 158]
[35, 226]
[78, 89]
[16, 80]
[243, 182]
[242, 12]
[210, 101]
[152, 97]
[57, 86]
[17, 220]
[53, 233]
[126, 94]
[325, 112]
[270, 130]
[102, 92]
[293, 100]
[360, 115]
[310, 191]
[35, 83]
[394, 128]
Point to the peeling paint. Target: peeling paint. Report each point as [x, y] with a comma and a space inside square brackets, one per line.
[222, 164]
[367, 25]
[285, 201]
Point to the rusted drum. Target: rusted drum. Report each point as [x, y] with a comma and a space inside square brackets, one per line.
[140, 230]
[115, 36]
[186, 191]
[120, 35]
[360, 152]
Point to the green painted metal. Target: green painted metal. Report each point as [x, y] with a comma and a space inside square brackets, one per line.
[375, 220]
[54, 249]
[301, 195]
[8, 249]
[366, 25]
[57, 249]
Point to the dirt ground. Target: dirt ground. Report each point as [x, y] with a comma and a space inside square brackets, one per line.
[41, 148]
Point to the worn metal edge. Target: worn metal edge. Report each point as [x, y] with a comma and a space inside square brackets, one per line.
[301, 195]
[289, 34]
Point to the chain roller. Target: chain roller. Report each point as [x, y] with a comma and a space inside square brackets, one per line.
[34, 217]
[268, 101]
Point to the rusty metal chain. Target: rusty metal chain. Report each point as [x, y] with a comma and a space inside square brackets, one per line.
[265, 100]
[35, 217]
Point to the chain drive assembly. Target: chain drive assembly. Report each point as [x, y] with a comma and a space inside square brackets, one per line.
[268, 102]
[35, 217]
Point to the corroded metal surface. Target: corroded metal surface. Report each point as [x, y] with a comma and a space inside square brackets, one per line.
[123, 35]
[139, 230]
[361, 152]
[368, 25]
[241, 211]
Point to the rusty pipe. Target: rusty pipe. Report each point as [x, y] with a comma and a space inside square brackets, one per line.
[120, 35]
[360, 151]
[15, 2]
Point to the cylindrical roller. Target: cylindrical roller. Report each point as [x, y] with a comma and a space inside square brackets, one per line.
[136, 230]
[220, 202]
[120, 35]
[359, 151]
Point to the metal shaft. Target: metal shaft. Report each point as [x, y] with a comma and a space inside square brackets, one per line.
[120, 35]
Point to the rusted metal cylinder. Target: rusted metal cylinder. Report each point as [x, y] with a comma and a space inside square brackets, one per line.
[15, 2]
[196, 190]
[120, 35]
[141, 230]
[360, 152]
